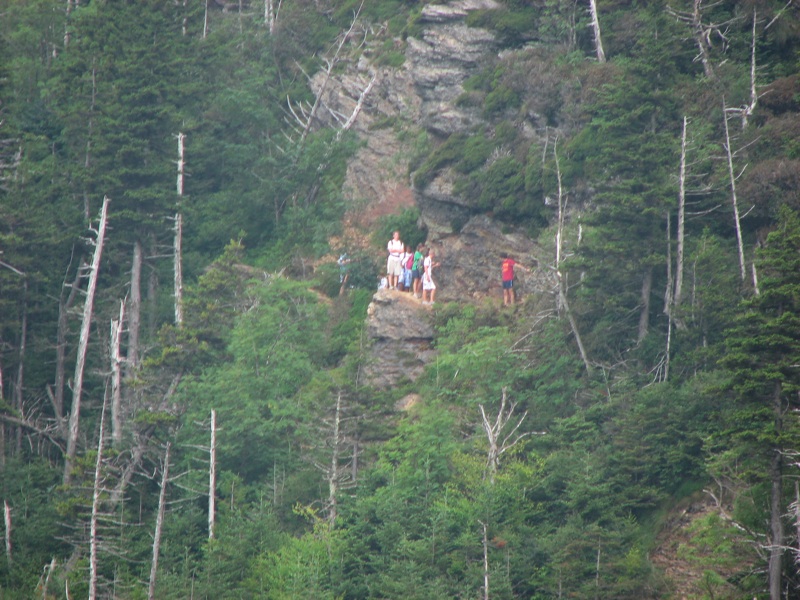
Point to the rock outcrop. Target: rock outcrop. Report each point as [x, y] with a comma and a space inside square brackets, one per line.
[400, 330]
[414, 102]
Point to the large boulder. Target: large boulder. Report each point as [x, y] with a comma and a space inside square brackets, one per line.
[400, 331]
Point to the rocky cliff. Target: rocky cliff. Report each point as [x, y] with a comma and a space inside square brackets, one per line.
[401, 332]
[419, 100]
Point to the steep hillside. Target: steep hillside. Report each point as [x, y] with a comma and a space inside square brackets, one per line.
[197, 408]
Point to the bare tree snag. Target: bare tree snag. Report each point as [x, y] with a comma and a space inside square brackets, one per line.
[754, 272]
[737, 220]
[134, 312]
[751, 107]
[337, 472]
[178, 270]
[178, 252]
[116, 376]
[485, 542]
[668, 300]
[151, 589]
[64, 306]
[19, 386]
[212, 476]
[271, 11]
[83, 342]
[644, 312]
[333, 473]
[306, 120]
[776, 513]
[598, 42]
[679, 248]
[205, 21]
[702, 38]
[96, 490]
[498, 446]
[702, 33]
[562, 303]
[7, 532]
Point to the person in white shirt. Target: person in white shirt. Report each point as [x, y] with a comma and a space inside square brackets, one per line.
[393, 267]
[428, 285]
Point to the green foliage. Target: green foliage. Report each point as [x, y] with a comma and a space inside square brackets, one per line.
[407, 223]
[573, 509]
[513, 26]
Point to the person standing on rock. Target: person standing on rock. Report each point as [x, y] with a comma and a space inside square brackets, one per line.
[393, 266]
[509, 296]
[417, 269]
[406, 260]
[428, 285]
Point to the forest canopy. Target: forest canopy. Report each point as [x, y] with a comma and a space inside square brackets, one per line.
[184, 410]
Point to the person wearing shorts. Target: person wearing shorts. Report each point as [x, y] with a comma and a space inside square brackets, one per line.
[509, 296]
[428, 285]
[416, 271]
[393, 267]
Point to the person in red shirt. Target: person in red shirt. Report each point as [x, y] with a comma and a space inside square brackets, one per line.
[508, 278]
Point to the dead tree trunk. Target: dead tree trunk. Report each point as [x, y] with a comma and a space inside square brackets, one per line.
[562, 302]
[212, 476]
[64, 306]
[333, 473]
[598, 42]
[271, 14]
[748, 109]
[701, 37]
[338, 473]
[178, 273]
[7, 532]
[134, 311]
[19, 386]
[776, 537]
[151, 590]
[737, 220]
[83, 342]
[485, 541]
[679, 248]
[116, 377]
[178, 252]
[644, 314]
[494, 431]
[96, 490]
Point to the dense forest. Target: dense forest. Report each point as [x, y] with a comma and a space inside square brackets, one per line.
[182, 401]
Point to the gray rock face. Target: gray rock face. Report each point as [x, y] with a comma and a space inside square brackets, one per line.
[470, 262]
[448, 53]
[400, 330]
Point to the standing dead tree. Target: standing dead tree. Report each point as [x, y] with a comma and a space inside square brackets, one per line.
[178, 251]
[729, 154]
[115, 341]
[212, 476]
[151, 589]
[563, 303]
[83, 342]
[499, 437]
[598, 42]
[271, 11]
[96, 491]
[704, 33]
[338, 471]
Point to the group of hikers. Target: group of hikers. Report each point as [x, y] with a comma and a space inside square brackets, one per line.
[413, 272]
[408, 271]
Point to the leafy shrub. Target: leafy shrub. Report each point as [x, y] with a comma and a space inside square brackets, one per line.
[407, 223]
